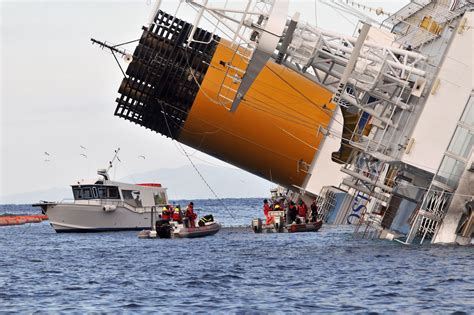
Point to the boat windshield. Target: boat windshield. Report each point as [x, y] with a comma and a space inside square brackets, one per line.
[95, 192]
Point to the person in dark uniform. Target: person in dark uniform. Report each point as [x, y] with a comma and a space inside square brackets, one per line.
[314, 211]
[292, 212]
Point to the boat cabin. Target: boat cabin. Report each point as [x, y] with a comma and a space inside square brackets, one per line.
[105, 191]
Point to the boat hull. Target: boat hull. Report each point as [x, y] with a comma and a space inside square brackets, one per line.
[199, 231]
[289, 109]
[168, 231]
[305, 227]
[93, 218]
[258, 227]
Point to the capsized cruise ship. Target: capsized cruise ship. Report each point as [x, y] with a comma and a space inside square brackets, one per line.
[378, 126]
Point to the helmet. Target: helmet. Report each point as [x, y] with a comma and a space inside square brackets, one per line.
[176, 209]
[265, 201]
[164, 209]
[191, 203]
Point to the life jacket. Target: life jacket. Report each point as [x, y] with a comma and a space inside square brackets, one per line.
[301, 211]
[266, 208]
[176, 216]
[190, 213]
[165, 214]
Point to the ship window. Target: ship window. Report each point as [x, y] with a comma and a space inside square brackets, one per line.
[102, 192]
[112, 193]
[468, 115]
[450, 171]
[127, 194]
[95, 192]
[462, 142]
[77, 192]
[86, 193]
[160, 198]
[132, 197]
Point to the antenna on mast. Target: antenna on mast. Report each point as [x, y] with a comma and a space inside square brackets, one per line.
[113, 159]
[105, 172]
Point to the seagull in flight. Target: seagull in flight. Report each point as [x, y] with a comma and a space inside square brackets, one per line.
[142, 156]
[83, 147]
[82, 154]
[46, 153]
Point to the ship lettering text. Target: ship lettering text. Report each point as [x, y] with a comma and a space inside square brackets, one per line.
[337, 96]
[360, 202]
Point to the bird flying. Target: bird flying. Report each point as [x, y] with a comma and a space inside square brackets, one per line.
[46, 153]
[82, 154]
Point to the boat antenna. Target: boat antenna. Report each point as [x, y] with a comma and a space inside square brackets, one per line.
[114, 50]
[113, 159]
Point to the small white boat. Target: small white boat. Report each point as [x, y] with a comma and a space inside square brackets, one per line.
[280, 226]
[173, 229]
[105, 205]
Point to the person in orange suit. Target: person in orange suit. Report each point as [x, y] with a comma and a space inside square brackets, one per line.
[266, 210]
[191, 215]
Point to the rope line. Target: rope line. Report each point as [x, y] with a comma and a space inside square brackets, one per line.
[193, 165]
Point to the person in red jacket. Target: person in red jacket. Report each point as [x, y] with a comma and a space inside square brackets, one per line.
[266, 209]
[165, 214]
[191, 215]
[302, 209]
[176, 216]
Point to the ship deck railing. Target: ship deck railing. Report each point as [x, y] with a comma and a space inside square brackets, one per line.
[102, 202]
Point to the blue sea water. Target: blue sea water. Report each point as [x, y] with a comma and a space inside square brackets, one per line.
[234, 271]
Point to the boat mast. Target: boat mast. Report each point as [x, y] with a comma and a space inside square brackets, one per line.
[113, 159]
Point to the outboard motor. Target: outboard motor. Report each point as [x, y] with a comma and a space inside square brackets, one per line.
[163, 228]
[277, 224]
[257, 225]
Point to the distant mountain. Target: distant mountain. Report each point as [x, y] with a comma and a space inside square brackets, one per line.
[52, 194]
[185, 183]
[182, 183]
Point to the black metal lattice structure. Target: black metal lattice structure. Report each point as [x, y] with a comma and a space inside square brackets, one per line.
[165, 74]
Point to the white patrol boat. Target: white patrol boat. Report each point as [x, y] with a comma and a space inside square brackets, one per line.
[105, 205]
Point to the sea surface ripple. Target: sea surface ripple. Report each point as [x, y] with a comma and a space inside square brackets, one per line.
[234, 271]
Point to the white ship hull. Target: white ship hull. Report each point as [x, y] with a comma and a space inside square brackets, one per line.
[93, 218]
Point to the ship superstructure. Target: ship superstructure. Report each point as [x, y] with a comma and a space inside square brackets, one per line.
[378, 126]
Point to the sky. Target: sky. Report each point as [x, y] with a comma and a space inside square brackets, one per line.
[58, 90]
